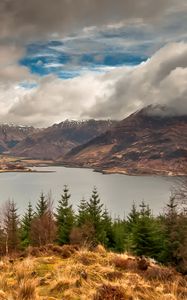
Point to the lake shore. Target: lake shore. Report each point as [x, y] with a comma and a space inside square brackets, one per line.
[27, 165]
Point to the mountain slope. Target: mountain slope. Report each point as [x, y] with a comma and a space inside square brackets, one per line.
[58, 139]
[140, 144]
[11, 135]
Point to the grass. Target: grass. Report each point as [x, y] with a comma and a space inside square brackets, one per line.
[55, 273]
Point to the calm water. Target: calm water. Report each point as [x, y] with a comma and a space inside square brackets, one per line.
[117, 192]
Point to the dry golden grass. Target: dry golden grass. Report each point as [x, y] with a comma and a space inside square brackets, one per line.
[67, 273]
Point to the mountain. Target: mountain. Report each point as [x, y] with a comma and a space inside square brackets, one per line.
[143, 143]
[11, 135]
[58, 139]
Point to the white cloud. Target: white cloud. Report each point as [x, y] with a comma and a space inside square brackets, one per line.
[54, 100]
[160, 80]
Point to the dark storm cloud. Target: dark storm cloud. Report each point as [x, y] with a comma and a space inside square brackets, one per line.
[39, 18]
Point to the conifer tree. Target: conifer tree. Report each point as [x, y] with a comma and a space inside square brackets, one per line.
[64, 217]
[145, 209]
[2, 242]
[11, 227]
[26, 226]
[147, 237]
[82, 217]
[43, 227]
[95, 213]
[119, 235]
[176, 234]
[42, 205]
[107, 228]
[132, 217]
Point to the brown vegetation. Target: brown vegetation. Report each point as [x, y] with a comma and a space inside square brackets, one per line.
[56, 273]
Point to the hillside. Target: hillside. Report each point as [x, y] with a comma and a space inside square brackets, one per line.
[55, 273]
[140, 144]
[11, 135]
[58, 139]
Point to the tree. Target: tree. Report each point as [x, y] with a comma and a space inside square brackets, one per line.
[82, 216]
[119, 235]
[43, 227]
[132, 217]
[26, 225]
[144, 210]
[41, 206]
[147, 237]
[107, 228]
[11, 227]
[175, 223]
[180, 193]
[95, 214]
[2, 242]
[64, 218]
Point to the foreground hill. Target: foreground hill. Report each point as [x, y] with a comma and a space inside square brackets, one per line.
[56, 273]
[140, 144]
[58, 139]
[11, 135]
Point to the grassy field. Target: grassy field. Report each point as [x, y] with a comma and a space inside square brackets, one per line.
[67, 273]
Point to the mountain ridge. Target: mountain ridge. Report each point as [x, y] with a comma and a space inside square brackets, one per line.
[58, 139]
[139, 144]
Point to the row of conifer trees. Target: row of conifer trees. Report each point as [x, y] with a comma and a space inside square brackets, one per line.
[162, 237]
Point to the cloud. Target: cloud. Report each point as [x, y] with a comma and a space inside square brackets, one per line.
[54, 100]
[160, 80]
[138, 27]
[34, 18]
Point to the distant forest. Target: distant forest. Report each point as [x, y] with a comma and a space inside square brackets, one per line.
[162, 237]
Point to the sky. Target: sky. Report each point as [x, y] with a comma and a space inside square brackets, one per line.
[82, 59]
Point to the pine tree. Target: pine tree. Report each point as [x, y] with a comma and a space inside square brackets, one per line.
[11, 227]
[176, 233]
[26, 226]
[64, 217]
[95, 213]
[145, 210]
[2, 242]
[119, 235]
[42, 205]
[82, 217]
[107, 228]
[132, 217]
[43, 227]
[146, 236]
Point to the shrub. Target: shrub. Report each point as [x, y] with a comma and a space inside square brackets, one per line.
[27, 290]
[110, 292]
[124, 264]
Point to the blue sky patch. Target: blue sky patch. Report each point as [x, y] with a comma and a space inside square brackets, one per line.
[70, 57]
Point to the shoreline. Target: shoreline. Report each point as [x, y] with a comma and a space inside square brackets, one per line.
[124, 172]
[29, 165]
[24, 171]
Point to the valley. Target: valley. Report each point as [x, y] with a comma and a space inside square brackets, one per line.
[141, 144]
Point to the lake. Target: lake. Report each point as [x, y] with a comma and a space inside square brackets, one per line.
[117, 192]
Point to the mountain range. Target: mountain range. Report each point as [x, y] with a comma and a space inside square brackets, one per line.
[11, 135]
[140, 144]
[143, 143]
[57, 140]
